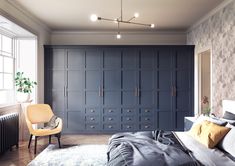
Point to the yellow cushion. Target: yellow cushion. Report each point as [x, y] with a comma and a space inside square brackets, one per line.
[208, 133]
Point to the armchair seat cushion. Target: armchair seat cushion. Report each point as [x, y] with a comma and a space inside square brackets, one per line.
[48, 131]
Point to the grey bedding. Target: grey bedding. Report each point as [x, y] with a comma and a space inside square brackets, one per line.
[208, 157]
[140, 149]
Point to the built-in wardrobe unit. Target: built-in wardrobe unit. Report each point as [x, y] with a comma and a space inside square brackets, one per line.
[119, 88]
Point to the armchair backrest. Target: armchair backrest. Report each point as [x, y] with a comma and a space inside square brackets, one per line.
[39, 113]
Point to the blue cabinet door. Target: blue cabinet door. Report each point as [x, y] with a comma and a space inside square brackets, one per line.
[129, 88]
[93, 87]
[183, 76]
[163, 79]
[55, 80]
[111, 89]
[75, 95]
[146, 89]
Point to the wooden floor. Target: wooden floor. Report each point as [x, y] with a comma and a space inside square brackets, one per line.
[22, 156]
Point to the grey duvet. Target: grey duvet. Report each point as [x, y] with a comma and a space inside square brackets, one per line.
[141, 149]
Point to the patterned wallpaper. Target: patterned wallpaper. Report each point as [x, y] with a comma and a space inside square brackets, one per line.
[218, 33]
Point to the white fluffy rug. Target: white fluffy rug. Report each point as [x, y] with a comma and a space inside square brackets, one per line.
[80, 155]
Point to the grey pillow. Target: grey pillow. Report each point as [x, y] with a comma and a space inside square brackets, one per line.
[229, 115]
[53, 123]
[227, 143]
[215, 120]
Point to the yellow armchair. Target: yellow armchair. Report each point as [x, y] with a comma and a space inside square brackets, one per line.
[41, 113]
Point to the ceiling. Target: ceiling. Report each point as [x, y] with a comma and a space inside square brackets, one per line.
[74, 15]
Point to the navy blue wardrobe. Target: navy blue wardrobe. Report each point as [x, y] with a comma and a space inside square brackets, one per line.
[103, 89]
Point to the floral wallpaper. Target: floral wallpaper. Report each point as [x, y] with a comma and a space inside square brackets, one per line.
[218, 33]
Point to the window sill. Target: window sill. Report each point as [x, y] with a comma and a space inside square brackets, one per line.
[6, 106]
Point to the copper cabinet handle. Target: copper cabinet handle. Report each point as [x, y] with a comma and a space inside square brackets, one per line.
[99, 91]
[174, 90]
[136, 91]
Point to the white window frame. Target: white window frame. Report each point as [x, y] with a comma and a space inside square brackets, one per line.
[3, 33]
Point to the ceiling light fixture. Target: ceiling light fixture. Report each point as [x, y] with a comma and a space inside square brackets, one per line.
[120, 20]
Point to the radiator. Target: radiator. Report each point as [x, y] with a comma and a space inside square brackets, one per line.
[9, 131]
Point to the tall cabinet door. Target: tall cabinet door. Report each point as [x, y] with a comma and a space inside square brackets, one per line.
[182, 85]
[129, 89]
[164, 79]
[146, 89]
[93, 89]
[55, 80]
[111, 90]
[75, 89]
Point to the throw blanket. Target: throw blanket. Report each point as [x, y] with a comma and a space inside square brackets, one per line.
[141, 149]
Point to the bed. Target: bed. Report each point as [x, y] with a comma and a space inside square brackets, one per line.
[158, 147]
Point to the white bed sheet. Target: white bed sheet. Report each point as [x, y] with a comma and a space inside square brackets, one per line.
[208, 157]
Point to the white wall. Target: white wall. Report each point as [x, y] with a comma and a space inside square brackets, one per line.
[27, 21]
[109, 38]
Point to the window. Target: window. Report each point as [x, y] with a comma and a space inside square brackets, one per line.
[6, 69]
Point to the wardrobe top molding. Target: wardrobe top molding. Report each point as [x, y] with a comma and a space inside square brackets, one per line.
[116, 46]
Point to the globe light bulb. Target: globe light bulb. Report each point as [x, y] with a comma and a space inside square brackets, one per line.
[152, 25]
[136, 15]
[119, 36]
[93, 17]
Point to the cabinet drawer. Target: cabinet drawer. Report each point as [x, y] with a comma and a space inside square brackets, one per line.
[110, 111]
[92, 119]
[146, 119]
[92, 111]
[146, 111]
[92, 127]
[110, 127]
[146, 127]
[111, 119]
[128, 111]
[128, 119]
[128, 127]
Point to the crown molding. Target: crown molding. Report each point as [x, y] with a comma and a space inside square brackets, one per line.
[64, 32]
[210, 14]
[25, 12]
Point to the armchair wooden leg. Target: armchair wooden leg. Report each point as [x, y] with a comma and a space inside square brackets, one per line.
[49, 139]
[35, 147]
[30, 139]
[58, 138]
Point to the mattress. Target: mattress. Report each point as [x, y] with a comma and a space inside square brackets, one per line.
[208, 157]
